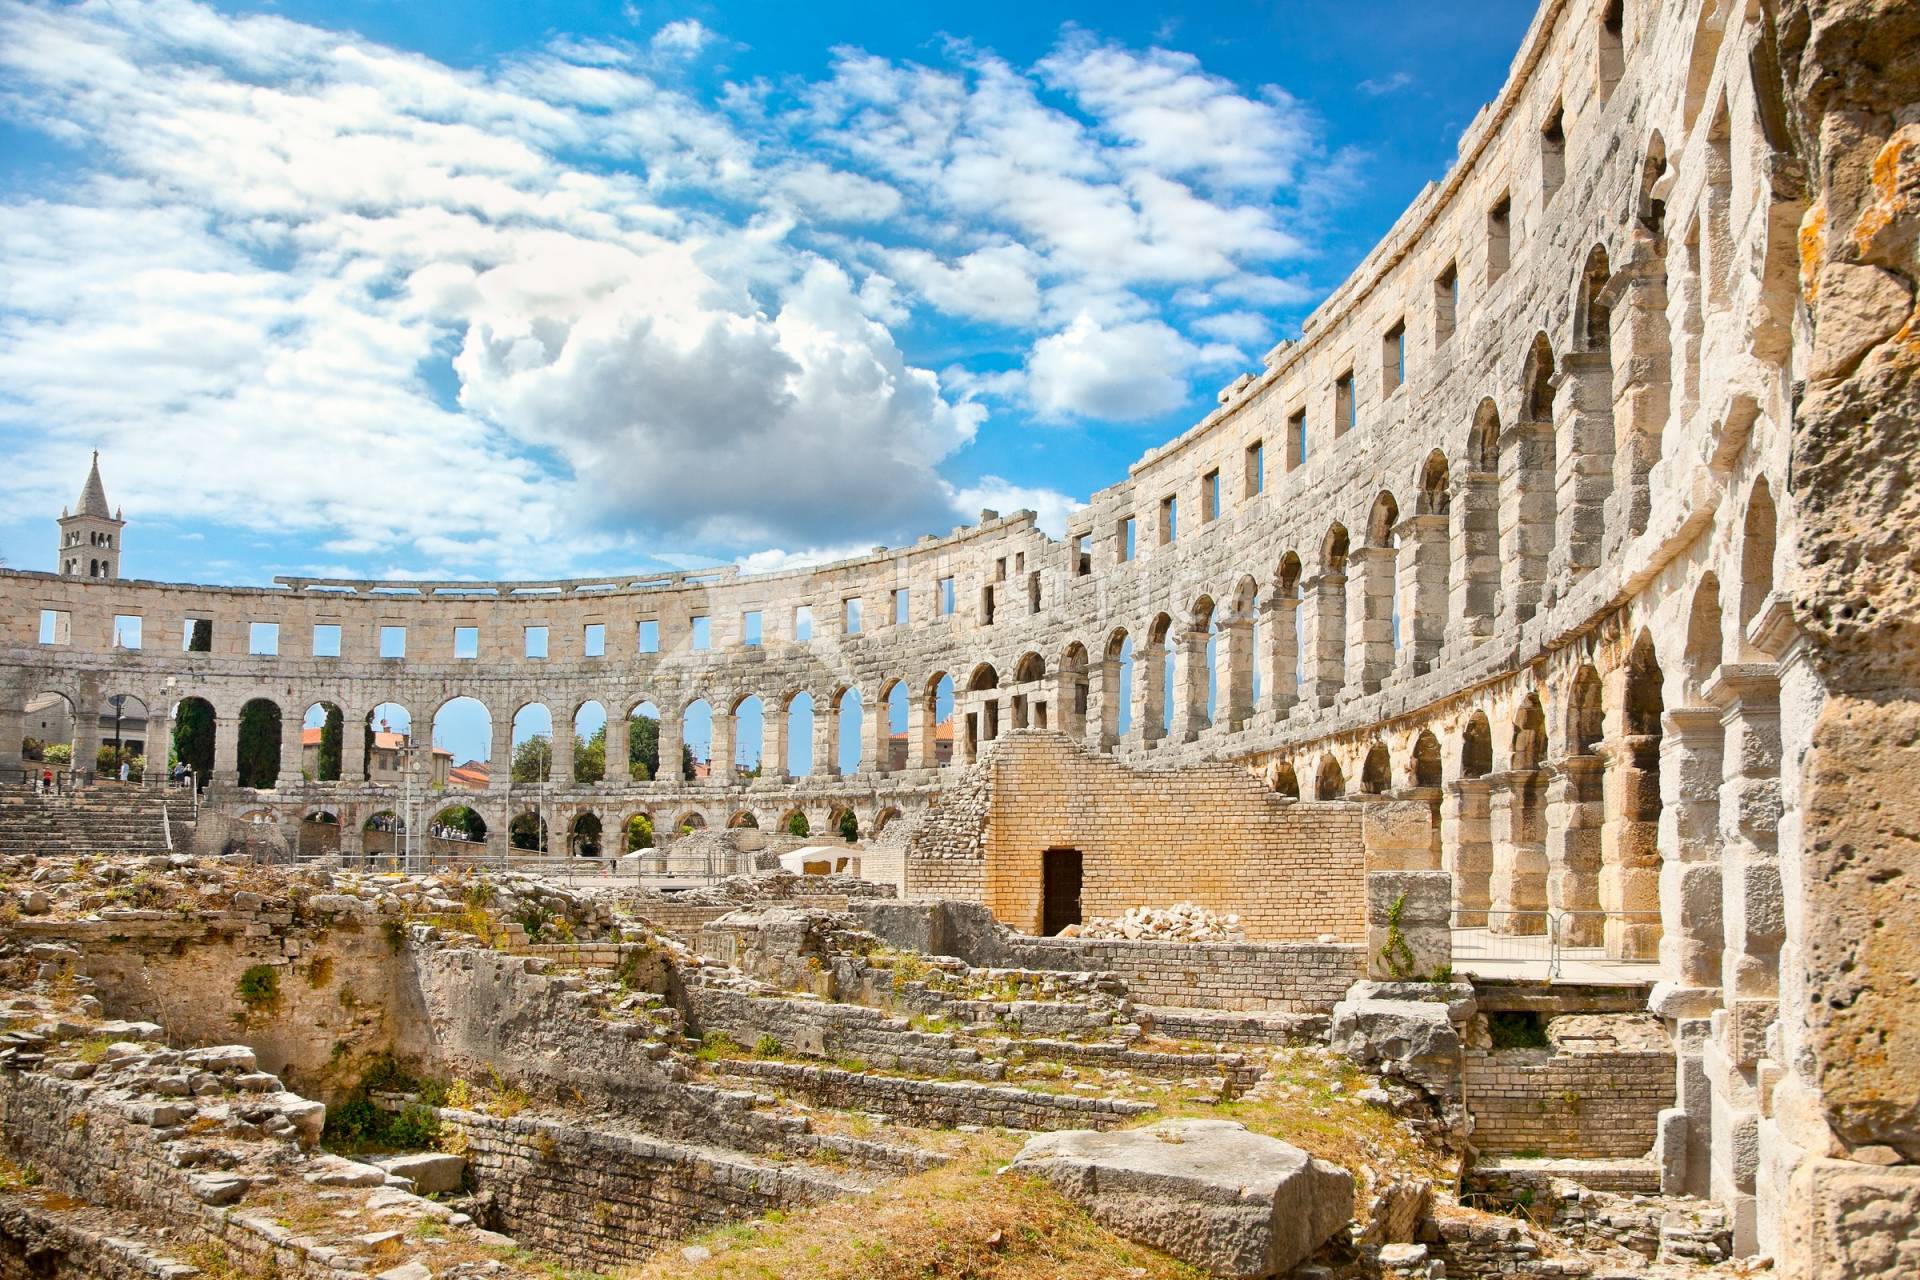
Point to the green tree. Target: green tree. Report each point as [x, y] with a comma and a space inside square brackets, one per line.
[643, 748]
[259, 757]
[193, 736]
[797, 825]
[464, 820]
[533, 759]
[327, 765]
[639, 832]
[590, 756]
[527, 832]
[849, 827]
[200, 638]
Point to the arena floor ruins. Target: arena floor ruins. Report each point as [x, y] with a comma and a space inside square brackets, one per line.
[1477, 759]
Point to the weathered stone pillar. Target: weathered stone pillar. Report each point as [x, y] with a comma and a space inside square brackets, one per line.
[1370, 585]
[876, 736]
[1189, 684]
[1325, 639]
[353, 760]
[1630, 845]
[1280, 688]
[1466, 849]
[774, 741]
[1474, 580]
[1518, 892]
[1689, 836]
[618, 744]
[561, 774]
[353, 748]
[1103, 705]
[1423, 592]
[1526, 515]
[1583, 464]
[13, 729]
[726, 730]
[291, 730]
[1641, 394]
[1754, 925]
[672, 739]
[86, 729]
[1150, 692]
[1234, 659]
[226, 749]
[1576, 813]
[920, 740]
[826, 742]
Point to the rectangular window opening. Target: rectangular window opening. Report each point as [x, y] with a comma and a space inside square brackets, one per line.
[1296, 439]
[1393, 358]
[536, 646]
[466, 644]
[1125, 537]
[700, 628]
[593, 640]
[126, 630]
[1499, 237]
[1446, 303]
[946, 597]
[750, 629]
[902, 607]
[56, 626]
[393, 642]
[1079, 557]
[1169, 519]
[263, 639]
[1345, 413]
[326, 639]
[1210, 497]
[1553, 153]
[1256, 469]
[851, 615]
[803, 623]
[648, 638]
[197, 636]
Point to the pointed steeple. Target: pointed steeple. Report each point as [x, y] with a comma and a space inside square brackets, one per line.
[93, 498]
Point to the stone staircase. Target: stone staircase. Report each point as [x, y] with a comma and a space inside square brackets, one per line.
[104, 818]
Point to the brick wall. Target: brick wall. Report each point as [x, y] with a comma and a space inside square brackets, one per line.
[1598, 1099]
[1208, 833]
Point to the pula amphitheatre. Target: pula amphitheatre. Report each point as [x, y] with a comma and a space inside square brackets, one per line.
[1452, 811]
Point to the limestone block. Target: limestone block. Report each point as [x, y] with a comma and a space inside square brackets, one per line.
[1408, 932]
[1209, 1192]
[1851, 1220]
[1398, 835]
[428, 1172]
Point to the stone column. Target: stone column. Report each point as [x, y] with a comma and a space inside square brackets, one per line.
[921, 748]
[1641, 397]
[353, 748]
[618, 744]
[561, 774]
[1754, 925]
[1630, 845]
[1150, 692]
[226, 749]
[726, 730]
[672, 739]
[1526, 516]
[1103, 704]
[876, 736]
[1282, 649]
[1583, 464]
[1423, 592]
[1190, 684]
[1689, 836]
[1234, 671]
[291, 729]
[1370, 585]
[1518, 892]
[1474, 581]
[86, 728]
[499, 755]
[13, 728]
[826, 742]
[774, 742]
[1576, 814]
[1325, 639]
[1466, 848]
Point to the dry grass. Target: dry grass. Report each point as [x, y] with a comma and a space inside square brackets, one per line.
[964, 1222]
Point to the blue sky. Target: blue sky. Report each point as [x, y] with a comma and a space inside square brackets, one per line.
[386, 289]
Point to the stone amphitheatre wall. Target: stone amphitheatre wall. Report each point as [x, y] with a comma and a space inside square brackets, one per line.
[1508, 528]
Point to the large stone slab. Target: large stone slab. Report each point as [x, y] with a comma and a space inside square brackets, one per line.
[1210, 1192]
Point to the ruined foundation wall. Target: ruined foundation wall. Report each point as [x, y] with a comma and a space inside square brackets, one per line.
[1584, 1105]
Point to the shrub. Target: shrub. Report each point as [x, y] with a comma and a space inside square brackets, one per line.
[259, 988]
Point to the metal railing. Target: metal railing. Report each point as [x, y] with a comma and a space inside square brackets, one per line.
[1554, 937]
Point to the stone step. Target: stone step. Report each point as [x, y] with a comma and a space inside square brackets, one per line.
[1501, 1176]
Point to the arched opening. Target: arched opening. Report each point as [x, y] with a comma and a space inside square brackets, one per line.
[1330, 783]
[882, 820]
[1586, 716]
[982, 718]
[458, 828]
[696, 739]
[463, 730]
[1158, 671]
[589, 743]
[744, 820]
[690, 822]
[527, 833]
[1757, 532]
[383, 833]
[849, 715]
[1650, 206]
[940, 716]
[322, 740]
[643, 742]
[749, 737]
[1380, 598]
[1327, 657]
[800, 735]
[1285, 782]
[48, 727]
[1426, 760]
[1073, 697]
[259, 751]
[1535, 473]
[532, 744]
[122, 722]
[319, 834]
[796, 824]
[637, 832]
[1376, 771]
[1630, 844]
[1028, 707]
[583, 837]
[1703, 638]
[1476, 747]
[1203, 693]
[1476, 522]
[1289, 633]
[845, 825]
[1576, 802]
[387, 736]
[1435, 498]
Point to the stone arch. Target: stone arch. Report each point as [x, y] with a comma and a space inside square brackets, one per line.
[1703, 52]
[1285, 782]
[1592, 317]
[850, 745]
[1237, 666]
[983, 676]
[690, 821]
[457, 824]
[747, 715]
[51, 720]
[794, 823]
[1586, 713]
[319, 835]
[527, 832]
[636, 832]
[1329, 783]
[1650, 205]
[1630, 841]
[1382, 516]
[1536, 380]
[1529, 744]
[1333, 549]
[1030, 667]
[1704, 645]
[124, 724]
[1194, 703]
[843, 822]
[1476, 747]
[801, 735]
[938, 718]
[1376, 770]
[743, 820]
[696, 735]
[1117, 676]
[453, 708]
[1287, 577]
[882, 820]
[1075, 695]
[532, 743]
[643, 741]
[1325, 633]
[587, 743]
[1435, 487]
[895, 745]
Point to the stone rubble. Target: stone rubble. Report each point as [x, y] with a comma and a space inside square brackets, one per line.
[1180, 922]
